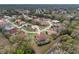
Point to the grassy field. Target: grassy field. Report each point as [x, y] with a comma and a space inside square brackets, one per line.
[40, 49]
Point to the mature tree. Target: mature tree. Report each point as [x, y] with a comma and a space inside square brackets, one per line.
[23, 44]
[68, 44]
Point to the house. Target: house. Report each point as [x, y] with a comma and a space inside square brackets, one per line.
[12, 18]
[7, 17]
[42, 39]
[34, 17]
[35, 27]
[44, 23]
[2, 23]
[51, 32]
[9, 30]
[17, 21]
[55, 24]
[27, 17]
[37, 20]
[55, 21]
[21, 23]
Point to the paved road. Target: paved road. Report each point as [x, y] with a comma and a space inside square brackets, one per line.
[50, 24]
[20, 27]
